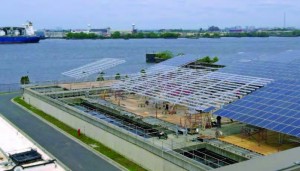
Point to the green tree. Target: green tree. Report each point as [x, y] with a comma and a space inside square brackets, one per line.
[216, 35]
[127, 36]
[116, 35]
[169, 35]
[215, 59]
[143, 72]
[296, 33]
[208, 60]
[81, 35]
[118, 76]
[206, 35]
[140, 35]
[151, 35]
[101, 77]
[164, 55]
[25, 80]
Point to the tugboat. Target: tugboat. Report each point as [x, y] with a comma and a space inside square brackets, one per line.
[12, 35]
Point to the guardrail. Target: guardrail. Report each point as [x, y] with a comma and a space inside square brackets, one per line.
[10, 87]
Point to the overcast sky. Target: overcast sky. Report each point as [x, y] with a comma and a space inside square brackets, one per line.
[150, 14]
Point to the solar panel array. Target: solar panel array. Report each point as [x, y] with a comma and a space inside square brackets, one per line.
[93, 68]
[275, 107]
[274, 70]
[197, 89]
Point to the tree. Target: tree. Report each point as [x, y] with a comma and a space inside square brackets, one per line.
[213, 29]
[101, 76]
[215, 59]
[81, 35]
[143, 72]
[208, 60]
[216, 35]
[296, 33]
[116, 35]
[118, 76]
[151, 35]
[164, 55]
[25, 80]
[206, 35]
[127, 36]
[169, 35]
[140, 35]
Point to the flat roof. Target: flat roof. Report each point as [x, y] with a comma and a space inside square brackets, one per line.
[13, 141]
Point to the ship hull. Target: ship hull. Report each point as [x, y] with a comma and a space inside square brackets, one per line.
[18, 39]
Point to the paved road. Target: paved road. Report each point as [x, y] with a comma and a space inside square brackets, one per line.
[72, 154]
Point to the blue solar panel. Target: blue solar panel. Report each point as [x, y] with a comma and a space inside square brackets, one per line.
[273, 70]
[275, 107]
[209, 109]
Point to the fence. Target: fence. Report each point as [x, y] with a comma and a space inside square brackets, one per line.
[14, 87]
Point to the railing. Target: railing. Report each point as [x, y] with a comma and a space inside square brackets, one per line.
[10, 87]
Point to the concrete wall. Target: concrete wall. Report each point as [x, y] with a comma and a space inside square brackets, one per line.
[125, 143]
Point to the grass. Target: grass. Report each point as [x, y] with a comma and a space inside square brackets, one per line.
[83, 138]
[2, 93]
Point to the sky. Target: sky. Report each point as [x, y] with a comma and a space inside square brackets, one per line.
[149, 14]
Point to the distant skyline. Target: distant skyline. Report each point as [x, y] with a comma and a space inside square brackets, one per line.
[150, 14]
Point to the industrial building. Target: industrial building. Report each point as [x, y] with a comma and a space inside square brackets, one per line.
[182, 114]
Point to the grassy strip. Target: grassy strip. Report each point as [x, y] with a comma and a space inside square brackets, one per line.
[85, 139]
[2, 93]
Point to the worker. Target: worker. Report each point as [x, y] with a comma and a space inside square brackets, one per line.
[218, 133]
[176, 131]
[213, 121]
[167, 107]
[219, 121]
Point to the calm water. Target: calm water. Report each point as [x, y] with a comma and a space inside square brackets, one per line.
[48, 59]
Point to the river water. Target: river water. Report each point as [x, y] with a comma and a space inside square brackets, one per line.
[49, 58]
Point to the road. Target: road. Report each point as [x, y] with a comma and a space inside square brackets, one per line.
[69, 152]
